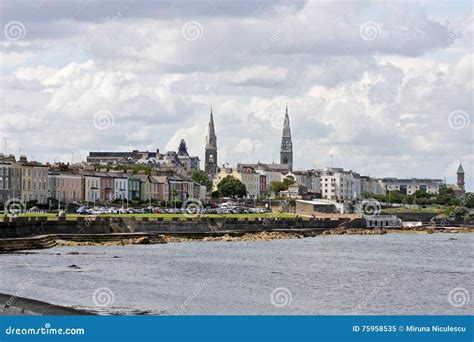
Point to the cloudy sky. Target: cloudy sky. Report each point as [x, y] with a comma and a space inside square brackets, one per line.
[386, 88]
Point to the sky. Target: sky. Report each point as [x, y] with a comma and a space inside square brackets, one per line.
[384, 88]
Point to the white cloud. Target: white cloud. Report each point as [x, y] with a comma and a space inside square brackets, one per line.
[378, 106]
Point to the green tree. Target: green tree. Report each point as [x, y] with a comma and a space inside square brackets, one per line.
[421, 194]
[202, 178]
[231, 187]
[446, 196]
[288, 180]
[396, 197]
[468, 200]
[276, 187]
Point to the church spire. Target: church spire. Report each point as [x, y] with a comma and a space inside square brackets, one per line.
[210, 166]
[286, 150]
[286, 125]
[211, 140]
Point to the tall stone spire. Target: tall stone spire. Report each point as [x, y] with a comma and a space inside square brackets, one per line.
[211, 140]
[460, 174]
[210, 166]
[286, 150]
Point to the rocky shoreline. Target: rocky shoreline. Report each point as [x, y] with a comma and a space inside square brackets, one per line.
[406, 230]
[269, 235]
[132, 241]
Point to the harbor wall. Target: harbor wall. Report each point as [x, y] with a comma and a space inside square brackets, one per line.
[31, 226]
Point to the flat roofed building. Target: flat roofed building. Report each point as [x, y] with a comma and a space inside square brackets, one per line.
[410, 186]
[340, 185]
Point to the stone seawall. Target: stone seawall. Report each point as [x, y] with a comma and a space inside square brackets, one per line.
[409, 216]
[31, 226]
[206, 225]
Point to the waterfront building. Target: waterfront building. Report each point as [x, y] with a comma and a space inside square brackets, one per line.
[34, 181]
[92, 187]
[310, 179]
[255, 183]
[133, 187]
[325, 206]
[147, 188]
[295, 191]
[120, 185]
[340, 185]
[65, 187]
[121, 157]
[371, 185]
[383, 221]
[107, 187]
[5, 181]
[269, 176]
[160, 187]
[15, 180]
[179, 162]
[411, 185]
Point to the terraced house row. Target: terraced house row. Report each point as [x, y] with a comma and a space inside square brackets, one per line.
[32, 181]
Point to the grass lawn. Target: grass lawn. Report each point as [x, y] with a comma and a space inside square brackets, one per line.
[168, 216]
[433, 209]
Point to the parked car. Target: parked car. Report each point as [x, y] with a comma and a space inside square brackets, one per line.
[82, 211]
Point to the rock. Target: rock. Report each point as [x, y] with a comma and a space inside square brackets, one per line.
[145, 240]
[343, 230]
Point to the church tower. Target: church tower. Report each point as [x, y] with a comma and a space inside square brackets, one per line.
[286, 150]
[210, 166]
[460, 173]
